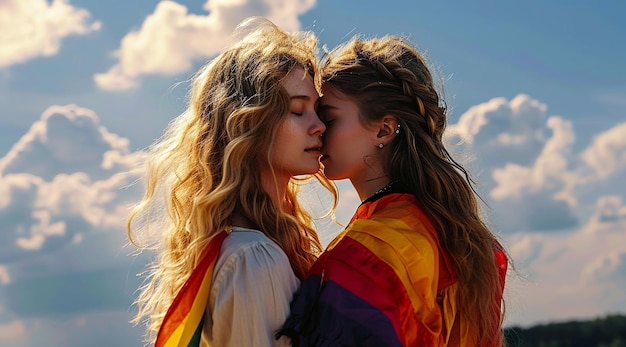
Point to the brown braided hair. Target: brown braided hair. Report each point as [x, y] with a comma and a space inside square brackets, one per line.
[387, 76]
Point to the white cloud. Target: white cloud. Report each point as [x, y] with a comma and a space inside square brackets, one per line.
[503, 131]
[68, 139]
[610, 215]
[19, 194]
[67, 176]
[607, 154]
[34, 28]
[537, 183]
[171, 39]
[571, 274]
[548, 171]
[64, 271]
[69, 209]
[53, 214]
[566, 275]
[33, 242]
[607, 267]
[526, 171]
[16, 190]
[108, 328]
[4, 276]
[526, 248]
[13, 331]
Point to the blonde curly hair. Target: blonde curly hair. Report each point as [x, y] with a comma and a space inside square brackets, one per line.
[207, 165]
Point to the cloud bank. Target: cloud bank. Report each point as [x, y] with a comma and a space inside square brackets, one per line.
[35, 28]
[170, 40]
[65, 189]
[560, 212]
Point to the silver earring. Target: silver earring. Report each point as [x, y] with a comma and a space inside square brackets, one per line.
[381, 146]
[398, 129]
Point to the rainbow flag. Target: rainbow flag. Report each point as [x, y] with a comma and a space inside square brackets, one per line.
[378, 282]
[182, 325]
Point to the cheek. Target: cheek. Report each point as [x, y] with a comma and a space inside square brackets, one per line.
[341, 142]
[346, 134]
[286, 131]
[332, 137]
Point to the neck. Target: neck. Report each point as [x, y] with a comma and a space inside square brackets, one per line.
[240, 220]
[276, 189]
[367, 188]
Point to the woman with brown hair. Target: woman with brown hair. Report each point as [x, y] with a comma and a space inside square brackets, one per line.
[417, 265]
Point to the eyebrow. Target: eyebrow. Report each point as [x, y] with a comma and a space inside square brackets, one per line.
[306, 98]
[303, 97]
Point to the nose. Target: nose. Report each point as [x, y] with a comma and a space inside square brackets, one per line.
[317, 127]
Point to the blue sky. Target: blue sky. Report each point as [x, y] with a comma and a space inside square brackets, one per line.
[536, 92]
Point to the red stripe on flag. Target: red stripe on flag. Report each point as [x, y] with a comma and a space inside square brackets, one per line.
[359, 271]
[180, 307]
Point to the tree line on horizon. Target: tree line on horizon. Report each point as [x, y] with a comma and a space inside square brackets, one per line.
[609, 331]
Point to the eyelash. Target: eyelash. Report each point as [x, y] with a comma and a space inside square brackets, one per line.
[297, 114]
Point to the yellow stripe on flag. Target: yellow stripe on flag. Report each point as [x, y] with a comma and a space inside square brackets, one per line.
[198, 308]
[185, 314]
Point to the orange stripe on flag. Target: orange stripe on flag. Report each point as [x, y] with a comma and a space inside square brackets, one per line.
[185, 313]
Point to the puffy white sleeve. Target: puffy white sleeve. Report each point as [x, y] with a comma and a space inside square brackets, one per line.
[250, 296]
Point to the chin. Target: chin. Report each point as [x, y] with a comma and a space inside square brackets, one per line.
[329, 174]
[312, 171]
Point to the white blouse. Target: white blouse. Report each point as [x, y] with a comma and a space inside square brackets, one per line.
[253, 284]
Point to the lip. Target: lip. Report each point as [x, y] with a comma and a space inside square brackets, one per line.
[323, 154]
[314, 151]
[317, 148]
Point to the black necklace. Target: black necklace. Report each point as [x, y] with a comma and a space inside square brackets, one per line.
[380, 191]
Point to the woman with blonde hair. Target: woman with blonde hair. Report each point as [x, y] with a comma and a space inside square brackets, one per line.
[235, 241]
[416, 266]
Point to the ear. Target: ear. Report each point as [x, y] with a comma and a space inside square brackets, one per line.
[387, 129]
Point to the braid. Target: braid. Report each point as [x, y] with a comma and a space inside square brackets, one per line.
[388, 76]
[395, 74]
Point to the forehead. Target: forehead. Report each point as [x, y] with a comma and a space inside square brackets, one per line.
[299, 82]
[339, 104]
[331, 95]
